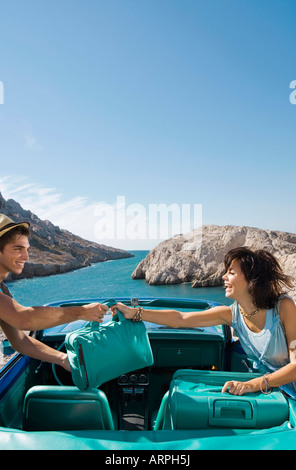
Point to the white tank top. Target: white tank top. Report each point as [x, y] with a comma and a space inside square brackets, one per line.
[267, 349]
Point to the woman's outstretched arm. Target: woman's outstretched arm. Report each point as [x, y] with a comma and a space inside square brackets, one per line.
[214, 316]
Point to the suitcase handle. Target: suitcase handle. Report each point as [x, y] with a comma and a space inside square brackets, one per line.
[119, 316]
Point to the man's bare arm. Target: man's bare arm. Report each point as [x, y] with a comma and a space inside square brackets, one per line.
[31, 347]
[39, 318]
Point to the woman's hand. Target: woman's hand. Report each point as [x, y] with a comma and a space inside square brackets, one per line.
[239, 388]
[128, 312]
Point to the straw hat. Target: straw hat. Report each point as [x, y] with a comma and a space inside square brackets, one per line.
[7, 224]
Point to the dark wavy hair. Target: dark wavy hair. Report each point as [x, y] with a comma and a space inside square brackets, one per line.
[8, 236]
[263, 273]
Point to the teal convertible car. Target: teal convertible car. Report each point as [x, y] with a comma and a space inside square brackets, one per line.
[175, 404]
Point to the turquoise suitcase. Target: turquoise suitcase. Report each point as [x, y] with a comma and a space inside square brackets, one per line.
[195, 401]
[99, 352]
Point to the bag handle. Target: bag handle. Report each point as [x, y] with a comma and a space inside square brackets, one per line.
[119, 316]
[109, 302]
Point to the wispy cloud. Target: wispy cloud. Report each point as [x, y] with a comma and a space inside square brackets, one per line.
[20, 132]
[75, 215]
[129, 227]
[31, 142]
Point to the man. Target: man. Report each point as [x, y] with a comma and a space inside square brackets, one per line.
[14, 318]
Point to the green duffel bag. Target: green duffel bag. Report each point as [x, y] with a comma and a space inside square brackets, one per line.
[99, 352]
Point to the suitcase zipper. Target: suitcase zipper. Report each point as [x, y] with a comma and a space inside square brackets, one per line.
[82, 363]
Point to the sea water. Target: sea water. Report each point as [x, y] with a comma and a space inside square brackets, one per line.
[104, 280]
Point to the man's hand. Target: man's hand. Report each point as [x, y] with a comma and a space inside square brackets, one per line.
[94, 312]
[65, 363]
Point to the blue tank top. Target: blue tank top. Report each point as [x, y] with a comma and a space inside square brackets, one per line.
[267, 349]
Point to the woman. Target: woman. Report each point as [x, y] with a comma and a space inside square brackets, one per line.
[263, 317]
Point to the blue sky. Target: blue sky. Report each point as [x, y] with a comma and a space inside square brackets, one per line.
[157, 101]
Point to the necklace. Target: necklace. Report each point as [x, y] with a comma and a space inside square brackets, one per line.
[248, 314]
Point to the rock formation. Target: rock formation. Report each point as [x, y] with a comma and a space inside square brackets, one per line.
[54, 250]
[183, 259]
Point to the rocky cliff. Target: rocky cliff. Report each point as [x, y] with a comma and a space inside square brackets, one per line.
[181, 259]
[54, 250]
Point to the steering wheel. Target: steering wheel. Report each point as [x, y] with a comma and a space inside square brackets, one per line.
[53, 366]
